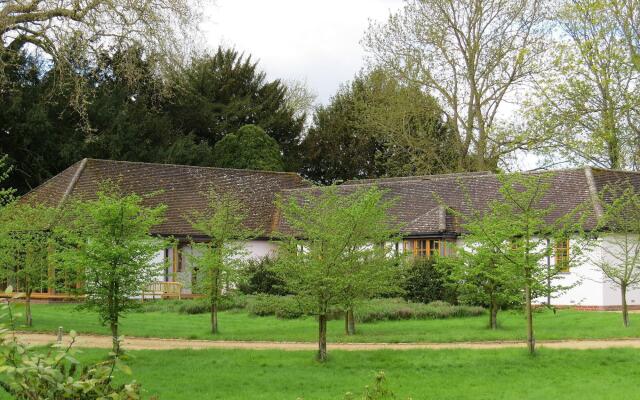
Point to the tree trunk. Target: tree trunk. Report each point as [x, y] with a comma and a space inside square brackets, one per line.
[493, 315]
[322, 337]
[114, 337]
[346, 322]
[531, 342]
[351, 322]
[625, 308]
[27, 309]
[214, 317]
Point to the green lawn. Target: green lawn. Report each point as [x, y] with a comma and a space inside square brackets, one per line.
[565, 324]
[426, 374]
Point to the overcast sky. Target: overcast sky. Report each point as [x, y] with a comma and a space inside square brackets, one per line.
[298, 39]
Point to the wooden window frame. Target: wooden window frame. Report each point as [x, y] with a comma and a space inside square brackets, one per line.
[428, 243]
[562, 251]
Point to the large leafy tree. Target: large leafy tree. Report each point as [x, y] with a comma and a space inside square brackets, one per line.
[107, 243]
[221, 92]
[471, 55]
[587, 105]
[335, 253]
[249, 148]
[73, 34]
[129, 120]
[377, 126]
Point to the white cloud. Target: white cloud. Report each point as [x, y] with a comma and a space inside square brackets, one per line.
[316, 41]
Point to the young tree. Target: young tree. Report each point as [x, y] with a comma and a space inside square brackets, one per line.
[513, 232]
[25, 242]
[336, 250]
[620, 250]
[108, 243]
[216, 262]
[472, 55]
[478, 271]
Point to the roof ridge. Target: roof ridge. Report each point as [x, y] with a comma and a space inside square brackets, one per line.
[74, 180]
[392, 179]
[593, 192]
[194, 166]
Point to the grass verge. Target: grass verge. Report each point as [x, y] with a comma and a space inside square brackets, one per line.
[565, 324]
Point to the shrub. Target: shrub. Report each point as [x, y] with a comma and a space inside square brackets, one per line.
[259, 278]
[285, 307]
[53, 373]
[425, 283]
[201, 306]
[399, 309]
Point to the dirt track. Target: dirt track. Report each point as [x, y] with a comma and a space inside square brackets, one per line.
[135, 343]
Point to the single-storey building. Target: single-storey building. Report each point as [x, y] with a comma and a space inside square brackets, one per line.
[421, 208]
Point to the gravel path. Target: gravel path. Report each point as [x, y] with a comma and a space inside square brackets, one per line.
[136, 343]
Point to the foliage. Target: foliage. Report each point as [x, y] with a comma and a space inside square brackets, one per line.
[25, 243]
[259, 276]
[54, 373]
[472, 55]
[586, 104]
[337, 253]
[425, 282]
[619, 258]
[397, 309]
[249, 148]
[148, 119]
[221, 92]
[378, 391]
[107, 242]
[377, 126]
[215, 263]
[510, 241]
[6, 193]
[72, 35]
[285, 307]
[480, 275]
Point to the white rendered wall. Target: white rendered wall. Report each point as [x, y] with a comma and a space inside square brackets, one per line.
[585, 279]
[611, 292]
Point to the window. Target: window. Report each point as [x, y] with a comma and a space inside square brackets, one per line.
[426, 247]
[562, 255]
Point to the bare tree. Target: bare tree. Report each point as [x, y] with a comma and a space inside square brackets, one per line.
[587, 105]
[69, 32]
[472, 55]
[620, 250]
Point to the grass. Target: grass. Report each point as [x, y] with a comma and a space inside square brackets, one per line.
[565, 324]
[424, 374]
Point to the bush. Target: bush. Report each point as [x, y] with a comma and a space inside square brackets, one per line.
[285, 307]
[259, 278]
[201, 306]
[54, 373]
[399, 309]
[425, 283]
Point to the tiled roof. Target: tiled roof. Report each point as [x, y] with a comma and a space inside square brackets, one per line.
[422, 202]
[421, 205]
[182, 188]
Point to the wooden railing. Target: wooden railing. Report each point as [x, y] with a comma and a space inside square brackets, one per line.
[163, 290]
